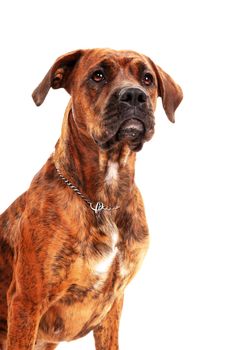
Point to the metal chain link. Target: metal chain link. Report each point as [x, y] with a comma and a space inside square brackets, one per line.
[97, 208]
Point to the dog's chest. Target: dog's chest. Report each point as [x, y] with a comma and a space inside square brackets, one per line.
[96, 278]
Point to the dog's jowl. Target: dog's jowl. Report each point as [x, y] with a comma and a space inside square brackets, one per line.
[70, 244]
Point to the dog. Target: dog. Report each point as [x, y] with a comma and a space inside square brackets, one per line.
[74, 240]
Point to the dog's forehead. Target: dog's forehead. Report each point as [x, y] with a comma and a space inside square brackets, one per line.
[121, 58]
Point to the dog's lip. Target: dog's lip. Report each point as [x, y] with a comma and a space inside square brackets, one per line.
[131, 128]
[133, 123]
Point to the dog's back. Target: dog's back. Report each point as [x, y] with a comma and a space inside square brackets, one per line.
[9, 220]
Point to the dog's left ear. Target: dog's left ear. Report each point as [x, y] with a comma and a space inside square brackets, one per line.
[57, 76]
[170, 92]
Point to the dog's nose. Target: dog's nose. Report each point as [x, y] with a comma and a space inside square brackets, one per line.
[133, 96]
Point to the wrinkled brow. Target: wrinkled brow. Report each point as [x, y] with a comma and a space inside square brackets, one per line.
[138, 67]
[106, 64]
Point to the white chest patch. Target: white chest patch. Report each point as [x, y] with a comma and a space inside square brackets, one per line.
[104, 265]
[124, 271]
[112, 172]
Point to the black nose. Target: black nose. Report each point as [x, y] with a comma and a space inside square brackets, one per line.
[133, 96]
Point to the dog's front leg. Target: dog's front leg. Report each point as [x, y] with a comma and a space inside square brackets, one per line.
[106, 334]
[25, 297]
[23, 322]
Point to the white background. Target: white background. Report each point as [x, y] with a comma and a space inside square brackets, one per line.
[183, 296]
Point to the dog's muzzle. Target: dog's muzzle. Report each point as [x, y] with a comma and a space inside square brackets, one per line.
[131, 99]
[128, 118]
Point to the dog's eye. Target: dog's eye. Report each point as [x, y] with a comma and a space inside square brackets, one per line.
[98, 76]
[148, 79]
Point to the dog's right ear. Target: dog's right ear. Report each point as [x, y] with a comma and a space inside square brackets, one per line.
[57, 75]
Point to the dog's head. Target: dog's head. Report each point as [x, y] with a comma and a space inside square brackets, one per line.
[113, 93]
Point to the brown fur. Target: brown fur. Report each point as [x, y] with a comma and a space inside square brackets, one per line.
[63, 269]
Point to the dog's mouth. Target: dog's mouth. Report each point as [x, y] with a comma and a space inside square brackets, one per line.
[130, 130]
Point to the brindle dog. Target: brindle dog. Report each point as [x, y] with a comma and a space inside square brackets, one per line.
[66, 258]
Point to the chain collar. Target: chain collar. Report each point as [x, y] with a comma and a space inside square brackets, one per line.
[98, 207]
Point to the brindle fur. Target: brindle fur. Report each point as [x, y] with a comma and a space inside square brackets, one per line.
[54, 285]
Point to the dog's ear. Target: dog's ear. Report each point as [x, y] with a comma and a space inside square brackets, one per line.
[170, 92]
[57, 75]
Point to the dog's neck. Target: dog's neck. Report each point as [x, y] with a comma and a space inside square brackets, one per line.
[106, 176]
